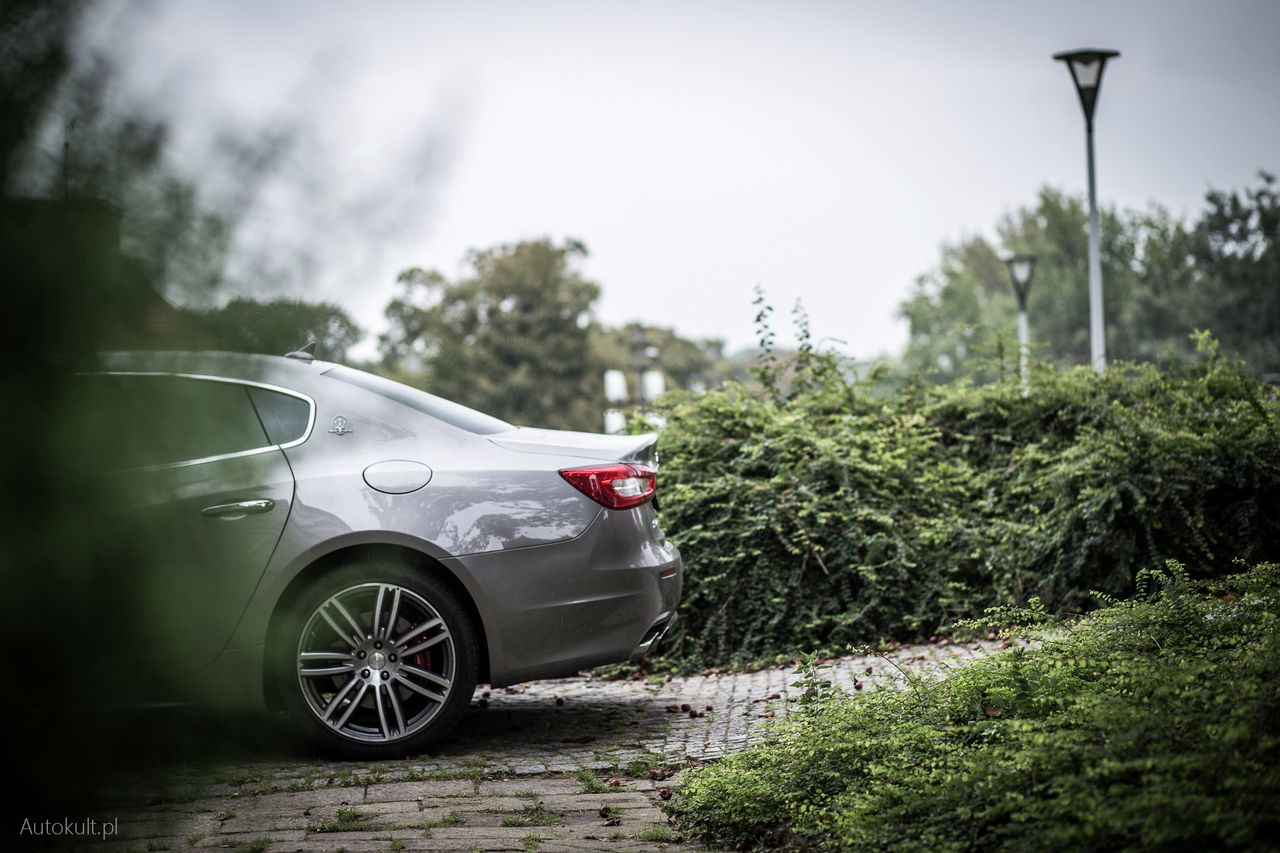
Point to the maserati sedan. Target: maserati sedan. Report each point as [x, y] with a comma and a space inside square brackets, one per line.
[360, 553]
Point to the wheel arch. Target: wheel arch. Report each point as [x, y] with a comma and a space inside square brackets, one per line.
[363, 551]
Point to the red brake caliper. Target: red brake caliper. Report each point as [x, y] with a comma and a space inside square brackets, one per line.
[422, 660]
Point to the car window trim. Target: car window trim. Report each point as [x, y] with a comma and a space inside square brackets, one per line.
[254, 451]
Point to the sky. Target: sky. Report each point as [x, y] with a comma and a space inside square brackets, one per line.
[821, 150]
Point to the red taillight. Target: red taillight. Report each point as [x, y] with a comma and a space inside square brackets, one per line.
[616, 486]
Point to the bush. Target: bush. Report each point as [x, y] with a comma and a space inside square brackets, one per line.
[1151, 724]
[839, 515]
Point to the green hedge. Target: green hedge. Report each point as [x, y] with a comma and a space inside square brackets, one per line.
[840, 515]
[1151, 724]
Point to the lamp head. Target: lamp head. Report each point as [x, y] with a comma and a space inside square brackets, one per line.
[1086, 67]
[1022, 267]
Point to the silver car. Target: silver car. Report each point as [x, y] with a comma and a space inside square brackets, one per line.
[362, 553]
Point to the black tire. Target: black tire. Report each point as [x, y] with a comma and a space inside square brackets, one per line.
[370, 730]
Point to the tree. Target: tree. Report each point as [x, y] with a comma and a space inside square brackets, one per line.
[512, 338]
[1238, 250]
[1162, 278]
[277, 327]
[686, 363]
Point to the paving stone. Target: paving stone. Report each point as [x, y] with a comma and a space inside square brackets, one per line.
[522, 741]
[430, 790]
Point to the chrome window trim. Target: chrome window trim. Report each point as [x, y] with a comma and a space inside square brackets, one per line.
[255, 451]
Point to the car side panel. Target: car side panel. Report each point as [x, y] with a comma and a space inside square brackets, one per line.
[479, 498]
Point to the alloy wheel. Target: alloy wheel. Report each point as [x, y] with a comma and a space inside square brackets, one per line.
[376, 662]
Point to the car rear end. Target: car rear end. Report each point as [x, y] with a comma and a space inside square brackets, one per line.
[608, 594]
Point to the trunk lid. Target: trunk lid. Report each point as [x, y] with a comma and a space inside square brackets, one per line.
[588, 445]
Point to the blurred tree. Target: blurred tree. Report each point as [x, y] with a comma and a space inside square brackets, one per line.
[687, 363]
[512, 339]
[517, 339]
[1162, 280]
[277, 327]
[1238, 251]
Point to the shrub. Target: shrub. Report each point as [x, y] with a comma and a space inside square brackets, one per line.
[840, 515]
[1150, 724]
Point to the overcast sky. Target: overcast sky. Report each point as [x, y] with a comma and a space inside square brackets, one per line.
[823, 150]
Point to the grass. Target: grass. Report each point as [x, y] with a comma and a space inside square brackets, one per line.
[531, 843]
[591, 784]
[658, 835]
[534, 815]
[1150, 724]
[347, 820]
[451, 819]
[639, 768]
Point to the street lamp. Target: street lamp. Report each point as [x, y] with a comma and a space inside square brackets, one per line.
[650, 383]
[1021, 267]
[1086, 72]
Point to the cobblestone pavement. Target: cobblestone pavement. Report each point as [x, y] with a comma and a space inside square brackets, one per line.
[569, 764]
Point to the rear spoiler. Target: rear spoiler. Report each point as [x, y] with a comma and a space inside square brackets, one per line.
[588, 445]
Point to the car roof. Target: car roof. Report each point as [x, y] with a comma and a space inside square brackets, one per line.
[233, 365]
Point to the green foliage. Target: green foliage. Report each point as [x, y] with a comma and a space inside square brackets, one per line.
[1162, 278]
[686, 363]
[512, 339]
[838, 515]
[517, 339]
[1149, 725]
[1238, 249]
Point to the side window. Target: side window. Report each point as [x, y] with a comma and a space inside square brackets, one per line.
[159, 420]
[193, 418]
[285, 417]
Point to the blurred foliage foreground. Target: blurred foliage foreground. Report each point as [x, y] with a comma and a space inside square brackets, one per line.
[841, 515]
[1149, 725]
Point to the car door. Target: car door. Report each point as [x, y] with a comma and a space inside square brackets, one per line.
[204, 491]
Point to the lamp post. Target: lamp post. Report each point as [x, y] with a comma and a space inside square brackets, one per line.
[649, 380]
[1086, 72]
[1021, 267]
[650, 383]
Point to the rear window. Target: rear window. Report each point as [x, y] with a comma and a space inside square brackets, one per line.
[454, 414]
[284, 416]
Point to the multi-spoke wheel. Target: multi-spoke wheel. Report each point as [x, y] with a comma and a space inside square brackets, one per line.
[383, 659]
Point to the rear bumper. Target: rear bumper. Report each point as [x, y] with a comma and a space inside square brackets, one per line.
[606, 596]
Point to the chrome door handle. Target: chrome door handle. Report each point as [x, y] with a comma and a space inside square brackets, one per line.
[239, 509]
